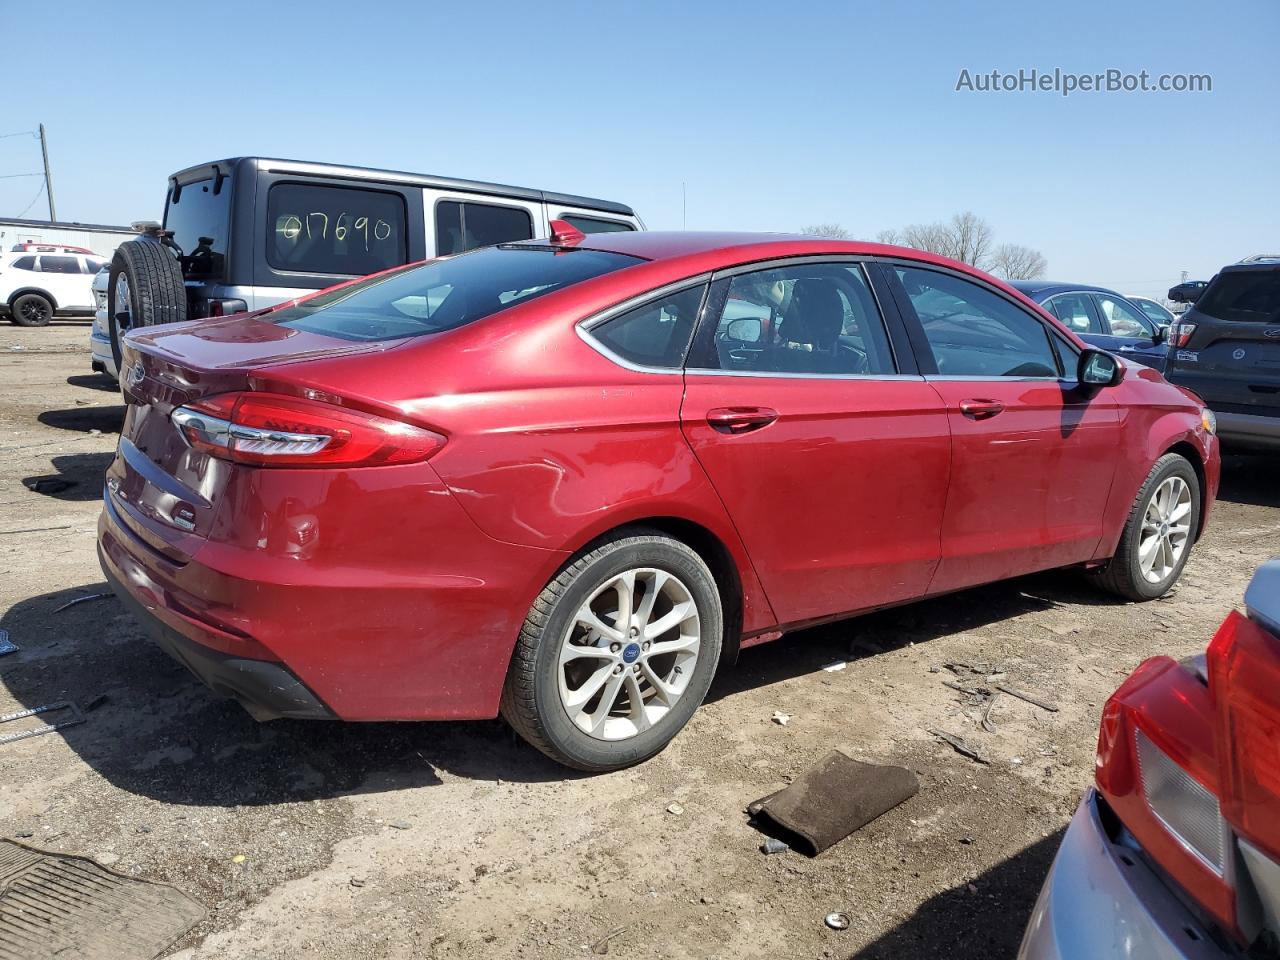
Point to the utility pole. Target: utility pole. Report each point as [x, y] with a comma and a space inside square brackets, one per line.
[48, 178]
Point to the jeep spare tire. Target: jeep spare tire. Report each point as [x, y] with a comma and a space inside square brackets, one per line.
[144, 288]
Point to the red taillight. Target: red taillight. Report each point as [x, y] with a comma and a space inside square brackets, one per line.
[1180, 334]
[1157, 767]
[1244, 675]
[270, 430]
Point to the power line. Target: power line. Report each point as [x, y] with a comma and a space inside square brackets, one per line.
[20, 133]
[39, 191]
[10, 176]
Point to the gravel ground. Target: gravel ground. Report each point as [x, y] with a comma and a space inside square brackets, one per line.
[455, 840]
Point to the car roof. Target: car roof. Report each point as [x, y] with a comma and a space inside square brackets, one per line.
[348, 172]
[1038, 289]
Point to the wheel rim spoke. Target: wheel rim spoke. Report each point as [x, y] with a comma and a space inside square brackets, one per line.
[616, 677]
[1166, 530]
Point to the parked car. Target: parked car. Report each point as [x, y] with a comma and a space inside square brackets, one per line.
[1103, 318]
[36, 287]
[35, 246]
[1227, 349]
[1156, 311]
[251, 232]
[102, 359]
[1188, 291]
[1176, 852]
[561, 479]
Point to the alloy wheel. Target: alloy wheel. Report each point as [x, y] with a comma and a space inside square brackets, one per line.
[629, 654]
[1166, 530]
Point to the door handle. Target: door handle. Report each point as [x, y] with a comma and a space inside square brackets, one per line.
[740, 419]
[981, 409]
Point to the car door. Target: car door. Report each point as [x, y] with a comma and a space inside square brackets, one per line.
[826, 446]
[1032, 451]
[1132, 331]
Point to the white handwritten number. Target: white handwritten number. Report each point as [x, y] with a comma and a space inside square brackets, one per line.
[381, 230]
[324, 229]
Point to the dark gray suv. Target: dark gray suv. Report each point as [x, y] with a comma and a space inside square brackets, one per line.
[1227, 349]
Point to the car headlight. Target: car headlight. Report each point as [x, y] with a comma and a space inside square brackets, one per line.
[1208, 420]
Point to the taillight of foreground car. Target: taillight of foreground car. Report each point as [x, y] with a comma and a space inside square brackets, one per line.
[271, 430]
[1180, 334]
[1157, 768]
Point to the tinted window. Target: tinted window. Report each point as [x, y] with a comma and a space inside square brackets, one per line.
[445, 294]
[343, 230]
[592, 225]
[1076, 312]
[656, 334]
[975, 333]
[200, 221]
[93, 265]
[1068, 358]
[1155, 313]
[49, 264]
[814, 318]
[465, 226]
[1123, 319]
[1247, 296]
[24, 263]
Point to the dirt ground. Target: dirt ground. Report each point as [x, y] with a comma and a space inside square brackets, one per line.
[455, 840]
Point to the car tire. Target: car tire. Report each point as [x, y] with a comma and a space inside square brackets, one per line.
[538, 699]
[154, 290]
[1166, 511]
[31, 310]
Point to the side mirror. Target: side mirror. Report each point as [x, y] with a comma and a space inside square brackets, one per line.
[745, 329]
[1161, 335]
[1098, 369]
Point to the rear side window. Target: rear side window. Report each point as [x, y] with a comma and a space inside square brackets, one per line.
[1245, 296]
[656, 334]
[25, 263]
[200, 220]
[595, 225]
[312, 228]
[49, 264]
[465, 226]
[445, 294]
[1076, 312]
[972, 332]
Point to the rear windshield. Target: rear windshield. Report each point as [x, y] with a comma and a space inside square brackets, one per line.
[1247, 296]
[446, 294]
[200, 221]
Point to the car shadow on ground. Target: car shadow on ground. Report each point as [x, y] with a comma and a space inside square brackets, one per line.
[981, 919]
[106, 419]
[94, 381]
[1251, 480]
[157, 731]
[152, 729]
[806, 651]
[78, 477]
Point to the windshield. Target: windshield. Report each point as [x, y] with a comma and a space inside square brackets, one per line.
[446, 294]
[1247, 296]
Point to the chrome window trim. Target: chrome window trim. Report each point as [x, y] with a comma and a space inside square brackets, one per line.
[584, 326]
[959, 378]
[778, 375]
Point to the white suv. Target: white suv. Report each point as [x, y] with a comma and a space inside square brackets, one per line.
[36, 286]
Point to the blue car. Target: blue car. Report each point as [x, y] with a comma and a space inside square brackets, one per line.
[1102, 318]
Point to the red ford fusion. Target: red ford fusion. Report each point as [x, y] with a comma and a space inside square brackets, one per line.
[566, 480]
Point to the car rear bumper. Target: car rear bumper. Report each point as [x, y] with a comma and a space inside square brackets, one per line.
[1242, 429]
[1101, 901]
[407, 617]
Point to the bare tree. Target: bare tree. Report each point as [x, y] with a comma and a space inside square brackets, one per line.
[969, 237]
[1016, 262]
[891, 237]
[831, 231]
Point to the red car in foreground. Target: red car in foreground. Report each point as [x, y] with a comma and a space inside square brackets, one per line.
[1177, 852]
[566, 479]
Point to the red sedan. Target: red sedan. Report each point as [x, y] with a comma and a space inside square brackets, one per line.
[566, 479]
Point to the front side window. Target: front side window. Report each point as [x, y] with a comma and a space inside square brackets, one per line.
[1076, 312]
[49, 264]
[1123, 320]
[200, 220]
[313, 228]
[445, 294]
[973, 332]
[656, 334]
[595, 225]
[464, 226]
[816, 318]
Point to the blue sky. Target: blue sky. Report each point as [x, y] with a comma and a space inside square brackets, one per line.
[774, 115]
